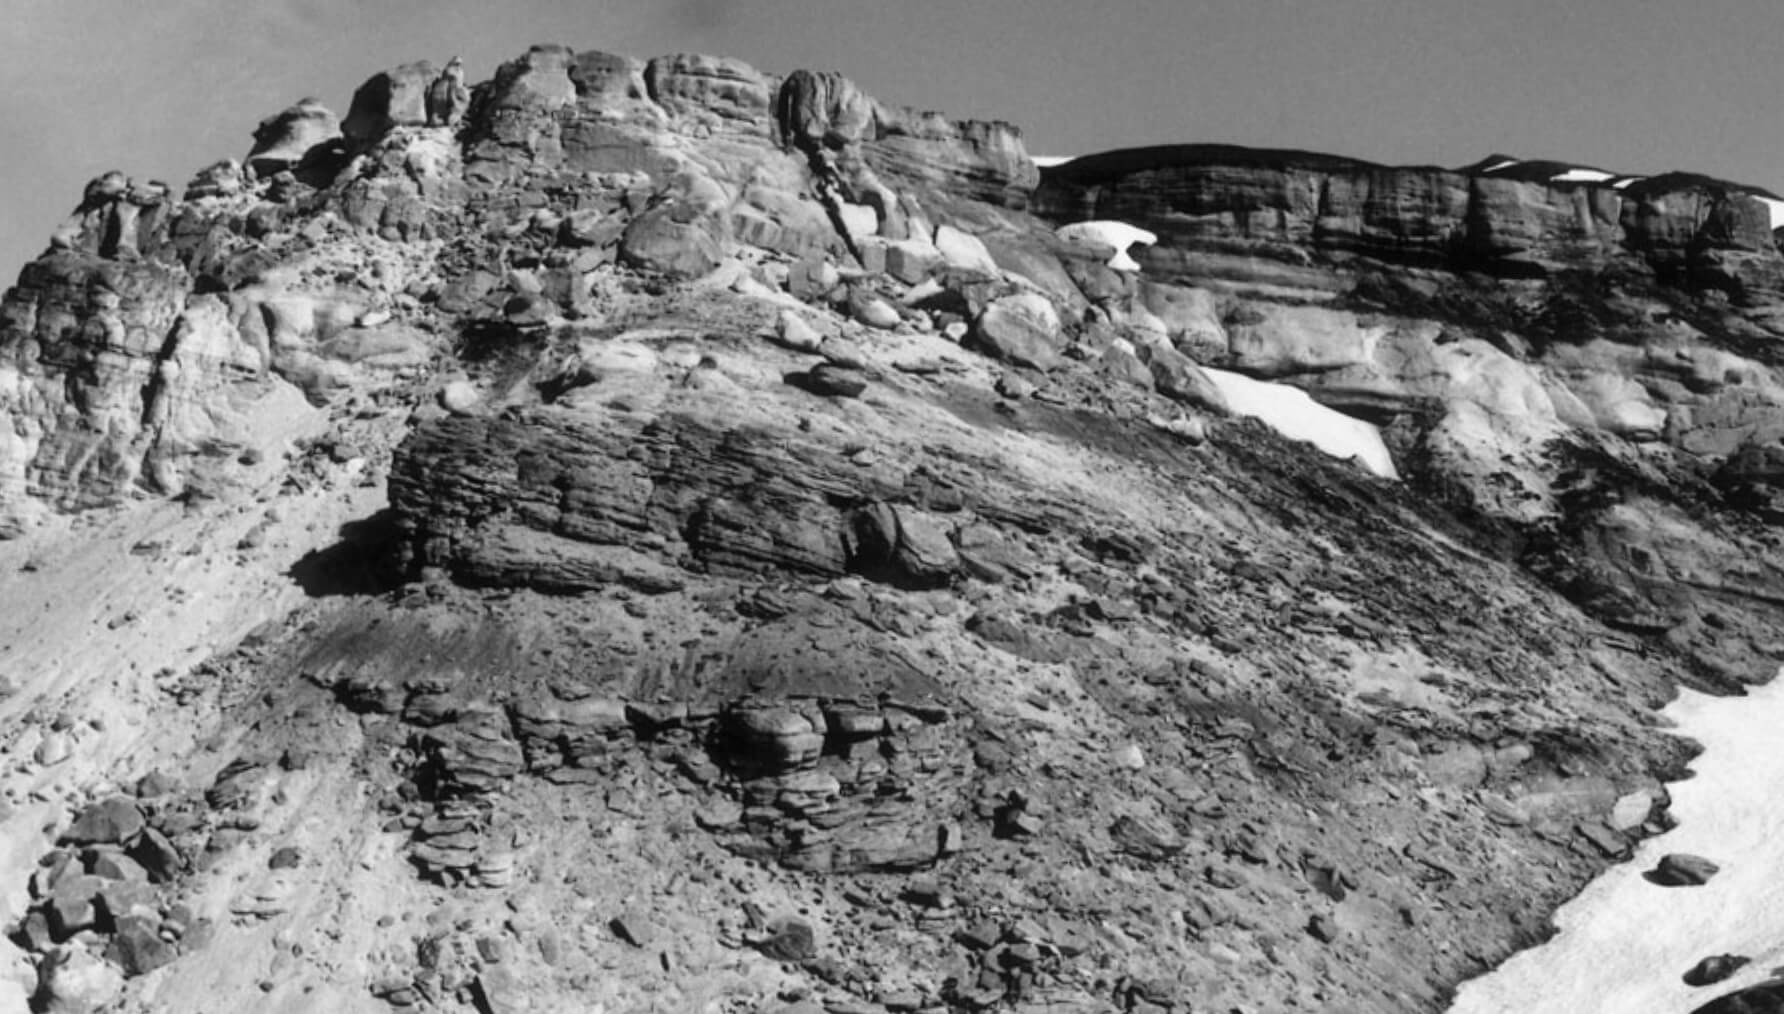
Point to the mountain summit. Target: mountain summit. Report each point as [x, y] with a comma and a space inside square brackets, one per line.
[636, 535]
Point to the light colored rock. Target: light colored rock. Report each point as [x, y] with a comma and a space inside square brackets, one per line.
[813, 279]
[460, 398]
[1271, 341]
[1023, 329]
[72, 981]
[796, 334]
[874, 311]
[1631, 811]
[964, 251]
[928, 288]
[859, 220]
[53, 749]
[1190, 316]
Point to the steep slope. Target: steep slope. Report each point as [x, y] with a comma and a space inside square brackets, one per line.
[653, 534]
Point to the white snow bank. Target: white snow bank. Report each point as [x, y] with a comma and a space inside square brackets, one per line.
[1119, 235]
[1290, 412]
[1049, 161]
[1624, 942]
[1579, 175]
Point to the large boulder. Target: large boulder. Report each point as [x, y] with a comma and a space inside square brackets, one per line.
[1023, 329]
[670, 240]
[394, 98]
[823, 110]
[284, 140]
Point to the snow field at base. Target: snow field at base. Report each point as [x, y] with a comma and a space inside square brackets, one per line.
[1625, 943]
[1292, 413]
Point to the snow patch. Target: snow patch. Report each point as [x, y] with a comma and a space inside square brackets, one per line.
[1776, 207]
[1624, 942]
[1495, 167]
[1119, 235]
[1049, 161]
[1626, 182]
[1579, 175]
[1292, 413]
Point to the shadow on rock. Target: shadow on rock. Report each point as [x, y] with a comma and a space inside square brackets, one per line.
[359, 564]
[1766, 998]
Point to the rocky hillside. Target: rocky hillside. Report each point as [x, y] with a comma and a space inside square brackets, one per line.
[655, 535]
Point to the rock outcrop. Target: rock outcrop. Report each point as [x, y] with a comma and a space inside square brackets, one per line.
[804, 558]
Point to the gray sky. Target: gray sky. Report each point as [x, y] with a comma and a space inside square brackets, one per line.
[160, 89]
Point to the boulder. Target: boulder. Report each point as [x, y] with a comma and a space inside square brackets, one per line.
[668, 241]
[822, 111]
[284, 140]
[1023, 329]
[112, 821]
[873, 311]
[72, 981]
[1714, 969]
[796, 334]
[790, 939]
[537, 82]
[606, 78]
[1146, 837]
[964, 251]
[137, 947]
[828, 380]
[394, 98]
[1181, 380]
[1680, 869]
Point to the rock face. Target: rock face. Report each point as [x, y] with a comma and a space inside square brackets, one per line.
[1639, 308]
[801, 557]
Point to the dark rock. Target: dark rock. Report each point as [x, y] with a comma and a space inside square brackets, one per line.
[137, 947]
[1765, 998]
[391, 99]
[829, 380]
[73, 907]
[1678, 869]
[114, 821]
[111, 865]
[284, 141]
[634, 929]
[1322, 928]
[1181, 380]
[1714, 969]
[669, 240]
[157, 855]
[1146, 837]
[790, 939]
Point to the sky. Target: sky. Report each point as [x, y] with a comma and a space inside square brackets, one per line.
[161, 89]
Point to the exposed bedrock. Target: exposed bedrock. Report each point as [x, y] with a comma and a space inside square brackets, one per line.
[1291, 219]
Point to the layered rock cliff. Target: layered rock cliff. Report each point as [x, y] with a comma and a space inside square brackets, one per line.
[676, 534]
